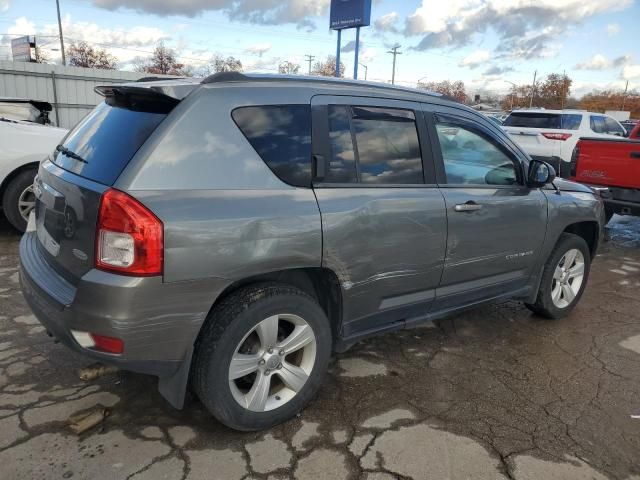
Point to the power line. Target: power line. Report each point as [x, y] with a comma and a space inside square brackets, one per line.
[394, 51]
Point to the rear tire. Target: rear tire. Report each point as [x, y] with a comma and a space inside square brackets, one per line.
[16, 196]
[564, 278]
[240, 329]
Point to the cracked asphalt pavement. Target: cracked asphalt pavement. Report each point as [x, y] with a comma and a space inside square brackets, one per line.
[494, 393]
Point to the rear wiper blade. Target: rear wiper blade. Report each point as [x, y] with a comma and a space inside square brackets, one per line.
[70, 154]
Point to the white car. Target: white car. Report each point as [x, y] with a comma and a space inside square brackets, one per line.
[551, 135]
[26, 139]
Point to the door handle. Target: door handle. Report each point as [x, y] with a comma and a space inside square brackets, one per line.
[470, 206]
[634, 154]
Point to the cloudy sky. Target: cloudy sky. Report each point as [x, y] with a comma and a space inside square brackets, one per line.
[485, 43]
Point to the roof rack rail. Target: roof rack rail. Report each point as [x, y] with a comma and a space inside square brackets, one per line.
[225, 77]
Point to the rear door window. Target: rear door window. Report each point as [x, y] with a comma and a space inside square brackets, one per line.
[281, 135]
[387, 145]
[373, 145]
[598, 124]
[555, 121]
[103, 143]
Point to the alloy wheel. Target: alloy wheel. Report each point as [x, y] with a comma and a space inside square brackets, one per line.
[26, 202]
[567, 278]
[272, 363]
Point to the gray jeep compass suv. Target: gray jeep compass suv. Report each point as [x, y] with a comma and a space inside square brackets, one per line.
[229, 234]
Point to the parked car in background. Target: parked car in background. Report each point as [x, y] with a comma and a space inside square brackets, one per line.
[26, 139]
[551, 135]
[612, 163]
[242, 228]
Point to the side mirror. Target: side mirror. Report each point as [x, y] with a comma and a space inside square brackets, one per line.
[540, 174]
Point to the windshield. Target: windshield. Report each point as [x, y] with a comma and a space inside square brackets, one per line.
[105, 141]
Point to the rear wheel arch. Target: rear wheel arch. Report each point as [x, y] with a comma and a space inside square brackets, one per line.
[320, 283]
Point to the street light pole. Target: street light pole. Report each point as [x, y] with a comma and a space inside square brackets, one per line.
[366, 69]
[64, 60]
[512, 92]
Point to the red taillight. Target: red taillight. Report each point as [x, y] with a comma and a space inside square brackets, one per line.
[129, 238]
[557, 136]
[107, 344]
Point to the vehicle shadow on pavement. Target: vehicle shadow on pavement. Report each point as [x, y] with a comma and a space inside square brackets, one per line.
[493, 393]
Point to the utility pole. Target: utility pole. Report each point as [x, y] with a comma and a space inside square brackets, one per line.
[624, 96]
[533, 89]
[309, 58]
[394, 51]
[564, 89]
[64, 60]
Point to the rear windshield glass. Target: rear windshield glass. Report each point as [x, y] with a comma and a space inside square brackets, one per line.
[565, 121]
[103, 143]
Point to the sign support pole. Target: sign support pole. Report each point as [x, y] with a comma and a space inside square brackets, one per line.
[338, 53]
[355, 65]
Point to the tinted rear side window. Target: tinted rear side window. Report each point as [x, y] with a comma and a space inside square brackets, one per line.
[281, 134]
[388, 146]
[106, 140]
[565, 121]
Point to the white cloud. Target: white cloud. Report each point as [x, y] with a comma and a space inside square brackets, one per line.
[613, 29]
[268, 12]
[631, 72]
[600, 62]
[525, 27]
[22, 26]
[387, 22]
[258, 48]
[4, 5]
[475, 59]
[597, 62]
[124, 44]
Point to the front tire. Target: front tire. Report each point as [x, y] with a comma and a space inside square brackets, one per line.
[261, 356]
[564, 278]
[19, 200]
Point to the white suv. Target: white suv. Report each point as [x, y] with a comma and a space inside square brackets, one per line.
[551, 135]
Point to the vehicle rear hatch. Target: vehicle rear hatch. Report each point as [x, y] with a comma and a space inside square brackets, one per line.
[70, 184]
[541, 133]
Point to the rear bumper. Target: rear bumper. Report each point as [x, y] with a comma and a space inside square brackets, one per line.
[158, 322]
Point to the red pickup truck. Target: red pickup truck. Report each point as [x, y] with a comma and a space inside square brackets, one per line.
[611, 163]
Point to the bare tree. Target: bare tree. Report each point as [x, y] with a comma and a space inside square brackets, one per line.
[82, 54]
[289, 68]
[454, 90]
[42, 56]
[222, 64]
[162, 62]
[327, 68]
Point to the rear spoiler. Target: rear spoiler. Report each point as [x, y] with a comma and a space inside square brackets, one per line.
[162, 96]
[137, 98]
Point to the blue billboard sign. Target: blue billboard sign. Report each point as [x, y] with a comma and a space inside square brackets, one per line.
[350, 14]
